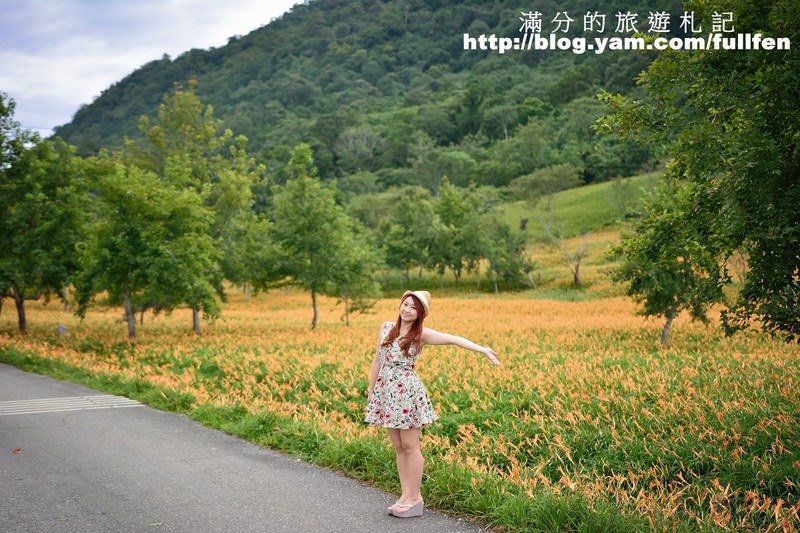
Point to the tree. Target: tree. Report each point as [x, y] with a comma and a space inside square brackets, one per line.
[249, 255]
[41, 222]
[357, 148]
[457, 165]
[501, 118]
[313, 233]
[468, 114]
[730, 125]
[506, 255]
[427, 162]
[527, 150]
[186, 146]
[148, 245]
[244, 237]
[599, 157]
[545, 182]
[12, 144]
[470, 234]
[574, 257]
[666, 269]
[185, 129]
[454, 209]
[578, 81]
[409, 233]
[354, 282]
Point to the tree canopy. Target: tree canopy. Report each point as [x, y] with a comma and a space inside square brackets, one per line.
[319, 250]
[41, 219]
[40, 213]
[729, 122]
[148, 246]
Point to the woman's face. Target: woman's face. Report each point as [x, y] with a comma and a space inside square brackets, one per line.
[408, 313]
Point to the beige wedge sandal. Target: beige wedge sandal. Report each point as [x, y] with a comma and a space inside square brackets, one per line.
[410, 510]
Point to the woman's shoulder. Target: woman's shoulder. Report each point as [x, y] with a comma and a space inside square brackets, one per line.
[427, 331]
[431, 336]
[386, 327]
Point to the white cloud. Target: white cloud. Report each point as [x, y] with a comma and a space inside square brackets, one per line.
[56, 55]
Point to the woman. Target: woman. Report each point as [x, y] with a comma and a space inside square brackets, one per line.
[398, 400]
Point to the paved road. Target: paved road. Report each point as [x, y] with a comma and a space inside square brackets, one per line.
[74, 459]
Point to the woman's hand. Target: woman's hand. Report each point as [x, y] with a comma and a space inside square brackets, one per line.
[492, 355]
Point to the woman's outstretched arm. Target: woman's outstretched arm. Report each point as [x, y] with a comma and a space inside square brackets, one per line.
[431, 336]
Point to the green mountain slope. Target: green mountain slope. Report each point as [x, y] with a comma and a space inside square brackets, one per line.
[387, 88]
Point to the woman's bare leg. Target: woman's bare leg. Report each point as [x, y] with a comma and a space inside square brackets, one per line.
[409, 464]
[414, 464]
[394, 435]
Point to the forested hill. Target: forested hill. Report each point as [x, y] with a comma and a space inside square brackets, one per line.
[385, 90]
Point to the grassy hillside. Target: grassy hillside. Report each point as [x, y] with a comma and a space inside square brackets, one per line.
[574, 212]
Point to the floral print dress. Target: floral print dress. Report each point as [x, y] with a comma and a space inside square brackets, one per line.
[399, 399]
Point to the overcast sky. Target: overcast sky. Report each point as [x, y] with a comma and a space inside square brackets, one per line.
[56, 55]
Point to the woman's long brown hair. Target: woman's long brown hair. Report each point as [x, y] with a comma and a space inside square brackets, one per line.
[414, 334]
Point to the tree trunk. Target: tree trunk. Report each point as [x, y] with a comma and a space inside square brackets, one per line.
[65, 296]
[196, 320]
[479, 278]
[494, 276]
[19, 301]
[314, 305]
[667, 325]
[347, 312]
[130, 317]
[576, 276]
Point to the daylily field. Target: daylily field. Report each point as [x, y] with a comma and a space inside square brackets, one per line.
[589, 424]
